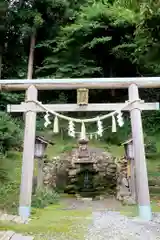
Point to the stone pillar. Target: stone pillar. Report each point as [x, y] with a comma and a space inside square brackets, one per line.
[83, 151]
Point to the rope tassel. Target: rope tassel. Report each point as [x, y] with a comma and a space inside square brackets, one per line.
[71, 129]
[47, 121]
[114, 126]
[56, 125]
[100, 127]
[120, 119]
[91, 136]
[83, 131]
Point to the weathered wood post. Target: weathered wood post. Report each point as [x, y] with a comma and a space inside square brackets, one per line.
[133, 189]
[139, 154]
[40, 146]
[40, 173]
[129, 154]
[28, 157]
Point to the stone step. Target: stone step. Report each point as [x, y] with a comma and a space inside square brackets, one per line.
[20, 237]
[6, 235]
[10, 235]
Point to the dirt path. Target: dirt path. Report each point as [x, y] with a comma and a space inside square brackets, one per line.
[98, 205]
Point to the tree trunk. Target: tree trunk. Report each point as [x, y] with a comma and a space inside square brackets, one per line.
[30, 60]
[0, 62]
[31, 56]
[0, 65]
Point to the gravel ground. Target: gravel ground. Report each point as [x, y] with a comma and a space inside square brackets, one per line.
[111, 225]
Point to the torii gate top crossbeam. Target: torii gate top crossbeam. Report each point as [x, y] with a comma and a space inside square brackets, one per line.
[71, 83]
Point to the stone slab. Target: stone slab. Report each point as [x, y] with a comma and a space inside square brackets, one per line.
[6, 235]
[20, 237]
[9, 235]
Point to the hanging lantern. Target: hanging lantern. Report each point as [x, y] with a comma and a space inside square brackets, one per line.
[40, 146]
[129, 149]
[82, 96]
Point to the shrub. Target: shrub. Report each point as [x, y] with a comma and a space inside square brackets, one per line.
[10, 177]
[4, 170]
[150, 148]
[9, 199]
[10, 133]
[112, 139]
[44, 197]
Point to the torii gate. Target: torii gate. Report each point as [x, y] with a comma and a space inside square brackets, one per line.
[30, 108]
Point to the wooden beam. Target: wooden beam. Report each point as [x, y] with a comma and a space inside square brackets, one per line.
[91, 83]
[101, 107]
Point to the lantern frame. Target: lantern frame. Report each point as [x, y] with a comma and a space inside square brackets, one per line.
[129, 149]
[40, 147]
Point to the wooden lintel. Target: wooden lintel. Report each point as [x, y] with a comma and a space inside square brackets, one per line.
[71, 83]
[97, 107]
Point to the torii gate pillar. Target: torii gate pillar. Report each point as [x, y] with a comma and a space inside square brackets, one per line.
[139, 156]
[28, 157]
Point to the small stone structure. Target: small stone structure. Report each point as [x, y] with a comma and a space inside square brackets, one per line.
[87, 171]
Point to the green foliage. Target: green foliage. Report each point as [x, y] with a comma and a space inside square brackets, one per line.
[84, 39]
[9, 193]
[151, 122]
[10, 138]
[3, 8]
[3, 171]
[10, 175]
[82, 46]
[116, 38]
[9, 98]
[118, 137]
[44, 197]
[10, 133]
[151, 147]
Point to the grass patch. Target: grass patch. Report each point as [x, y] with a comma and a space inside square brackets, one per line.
[9, 190]
[153, 166]
[132, 211]
[117, 151]
[66, 145]
[53, 221]
[61, 146]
